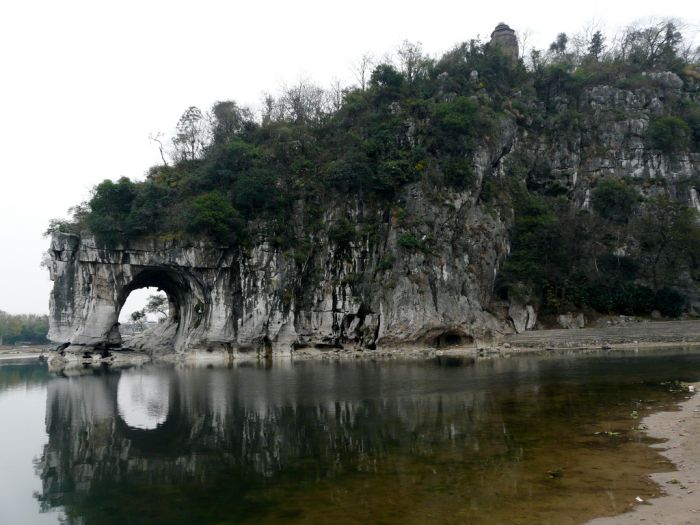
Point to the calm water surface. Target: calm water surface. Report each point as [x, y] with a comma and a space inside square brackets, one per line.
[529, 440]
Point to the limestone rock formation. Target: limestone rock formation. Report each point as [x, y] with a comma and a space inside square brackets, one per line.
[262, 300]
[437, 289]
[571, 321]
[523, 316]
[610, 142]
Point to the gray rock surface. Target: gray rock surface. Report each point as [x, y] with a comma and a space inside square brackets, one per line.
[523, 316]
[571, 320]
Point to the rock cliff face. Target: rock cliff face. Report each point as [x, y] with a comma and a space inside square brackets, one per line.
[263, 300]
[432, 288]
[603, 134]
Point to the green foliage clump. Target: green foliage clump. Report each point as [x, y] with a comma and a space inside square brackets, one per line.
[611, 263]
[26, 328]
[110, 208]
[635, 81]
[670, 302]
[386, 263]
[690, 113]
[387, 80]
[614, 200]
[535, 245]
[459, 173]
[668, 239]
[615, 296]
[669, 134]
[213, 215]
[61, 226]
[409, 241]
[455, 120]
[556, 81]
[342, 233]
[255, 190]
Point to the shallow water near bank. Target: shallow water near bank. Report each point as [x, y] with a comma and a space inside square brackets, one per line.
[525, 440]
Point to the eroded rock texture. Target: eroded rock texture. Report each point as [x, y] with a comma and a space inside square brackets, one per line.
[567, 148]
[265, 300]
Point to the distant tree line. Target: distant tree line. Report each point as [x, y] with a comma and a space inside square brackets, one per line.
[24, 328]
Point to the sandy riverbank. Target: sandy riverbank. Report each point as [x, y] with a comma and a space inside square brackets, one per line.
[680, 431]
[22, 352]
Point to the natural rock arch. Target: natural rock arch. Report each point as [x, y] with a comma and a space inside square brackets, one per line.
[255, 302]
[162, 280]
[92, 284]
[178, 290]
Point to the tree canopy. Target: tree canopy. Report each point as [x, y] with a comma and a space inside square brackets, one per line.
[25, 328]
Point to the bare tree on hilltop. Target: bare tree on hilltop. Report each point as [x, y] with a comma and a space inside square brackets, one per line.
[191, 135]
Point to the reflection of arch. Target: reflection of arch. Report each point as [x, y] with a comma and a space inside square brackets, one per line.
[169, 425]
[143, 400]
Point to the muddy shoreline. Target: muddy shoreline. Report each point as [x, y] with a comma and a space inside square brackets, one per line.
[638, 335]
[77, 356]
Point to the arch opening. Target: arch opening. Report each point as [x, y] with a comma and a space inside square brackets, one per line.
[142, 309]
[158, 282]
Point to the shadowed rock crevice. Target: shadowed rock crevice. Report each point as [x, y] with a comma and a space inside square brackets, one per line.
[452, 338]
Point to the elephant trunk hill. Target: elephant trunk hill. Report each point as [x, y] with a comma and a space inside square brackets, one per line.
[448, 202]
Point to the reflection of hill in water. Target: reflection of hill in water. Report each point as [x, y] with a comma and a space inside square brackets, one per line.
[188, 432]
[257, 422]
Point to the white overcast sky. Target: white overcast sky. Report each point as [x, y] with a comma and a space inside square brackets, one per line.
[84, 83]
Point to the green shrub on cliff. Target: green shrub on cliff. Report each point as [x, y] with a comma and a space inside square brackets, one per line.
[535, 246]
[667, 236]
[669, 134]
[613, 199]
[110, 208]
[213, 215]
[690, 112]
[618, 261]
[409, 241]
[342, 233]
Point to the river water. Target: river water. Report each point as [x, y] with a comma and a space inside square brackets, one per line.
[522, 440]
